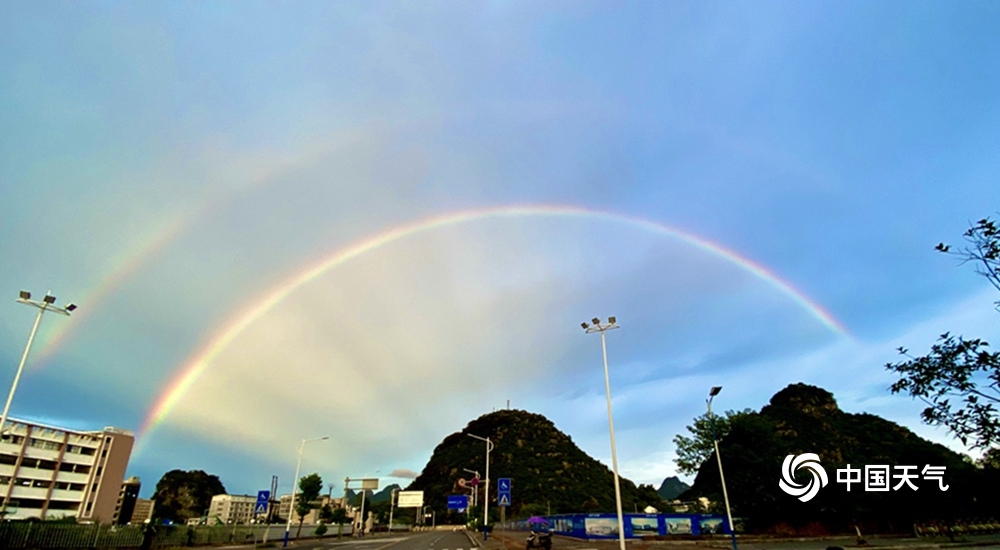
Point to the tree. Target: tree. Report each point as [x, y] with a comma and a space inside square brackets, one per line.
[181, 495]
[309, 489]
[990, 459]
[693, 451]
[959, 379]
[339, 517]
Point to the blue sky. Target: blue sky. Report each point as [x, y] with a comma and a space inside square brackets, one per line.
[170, 165]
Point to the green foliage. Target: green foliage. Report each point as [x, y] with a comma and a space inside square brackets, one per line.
[955, 370]
[321, 530]
[693, 451]
[339, 516]
[646, 495]
[181, 494]
[990, 459]
[309, 489]
[326, 513]
[545, 466]
[960, 379]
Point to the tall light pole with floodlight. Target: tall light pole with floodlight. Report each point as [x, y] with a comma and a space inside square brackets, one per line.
[47, 304]
[295, 484]
[725, 496]
[600, 327]
[486, 490]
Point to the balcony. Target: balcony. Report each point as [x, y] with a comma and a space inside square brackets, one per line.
[21, 491]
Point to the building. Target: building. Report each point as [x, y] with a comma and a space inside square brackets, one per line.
[126, 501]
[231, 509]
[312, 518]
[143, 511]
[48, 472]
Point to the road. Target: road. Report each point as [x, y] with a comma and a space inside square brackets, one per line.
[432, 540]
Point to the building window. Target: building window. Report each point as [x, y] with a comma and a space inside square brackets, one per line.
[99, 468]
[90, 506]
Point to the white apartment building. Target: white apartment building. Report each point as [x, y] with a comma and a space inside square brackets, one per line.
[231, 508]
[48, 472]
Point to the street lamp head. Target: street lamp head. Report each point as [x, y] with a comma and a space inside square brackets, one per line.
[585, 326]
[70, 307]
[324, 438]
[596, 321]
[49, 299]
[25, 295]
[612, 319]
[714, 391]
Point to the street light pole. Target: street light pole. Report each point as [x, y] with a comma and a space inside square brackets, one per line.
[602, 328]
[47, 304]
[486, 490]
[725, 496]
[392, 503]
[295, 483]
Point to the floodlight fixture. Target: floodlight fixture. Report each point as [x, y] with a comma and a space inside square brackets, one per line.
[49, 299]
[584, 325]
[70, 306]
[596, 321]
[611, 319]
[714, 391]
[25, 295]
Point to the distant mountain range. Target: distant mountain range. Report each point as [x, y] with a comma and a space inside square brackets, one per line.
[382, 496]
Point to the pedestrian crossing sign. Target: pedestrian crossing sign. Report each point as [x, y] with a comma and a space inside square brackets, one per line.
[503, 499]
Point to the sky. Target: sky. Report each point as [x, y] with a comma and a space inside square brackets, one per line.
[377, 221]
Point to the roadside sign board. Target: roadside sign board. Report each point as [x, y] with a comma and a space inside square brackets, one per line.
[458, 502]
[410, 499]
[503, 491]
[262, 498]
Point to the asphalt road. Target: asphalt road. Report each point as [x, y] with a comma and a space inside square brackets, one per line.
[432, 540]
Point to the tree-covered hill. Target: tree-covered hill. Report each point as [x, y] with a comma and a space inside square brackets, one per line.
[671, 488]
[548, 471]
[806, 419]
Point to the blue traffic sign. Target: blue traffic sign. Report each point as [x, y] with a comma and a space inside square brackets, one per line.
[503, 485]
[262, 499]
[458, 502]
[503, 499]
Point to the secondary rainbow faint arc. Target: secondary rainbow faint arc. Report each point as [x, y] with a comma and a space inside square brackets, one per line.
[196, 365]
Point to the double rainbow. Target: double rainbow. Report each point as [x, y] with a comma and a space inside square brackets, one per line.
[190, 370]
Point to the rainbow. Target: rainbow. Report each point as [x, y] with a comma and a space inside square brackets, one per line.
[192, 368]
[127, 263]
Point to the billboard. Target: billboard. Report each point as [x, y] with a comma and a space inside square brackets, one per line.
[410, 499]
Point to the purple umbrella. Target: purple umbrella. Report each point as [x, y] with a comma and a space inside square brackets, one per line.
[537, 519]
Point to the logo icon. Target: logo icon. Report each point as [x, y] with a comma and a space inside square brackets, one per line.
[807, 461]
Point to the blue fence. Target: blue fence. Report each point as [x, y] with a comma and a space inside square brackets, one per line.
[605, 526]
